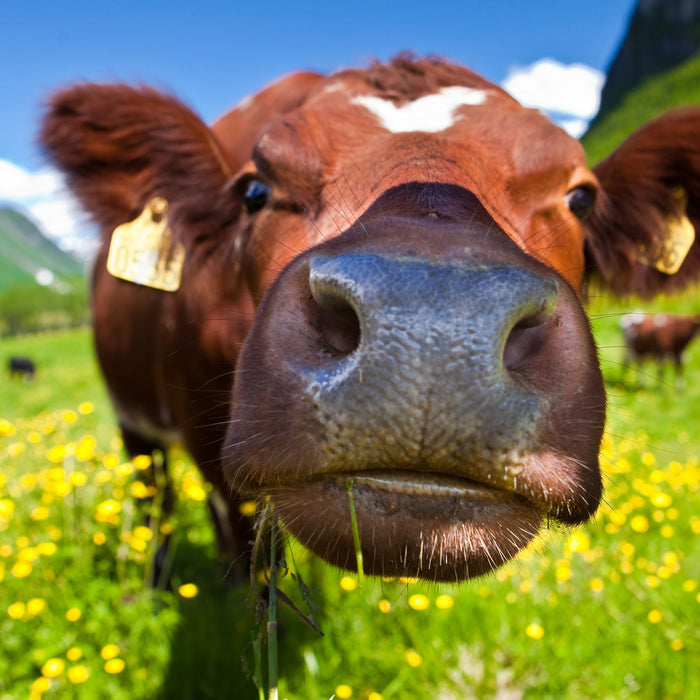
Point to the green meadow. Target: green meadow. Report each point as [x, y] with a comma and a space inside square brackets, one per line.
[605, 610]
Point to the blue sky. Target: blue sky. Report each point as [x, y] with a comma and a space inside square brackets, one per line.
[212, 54]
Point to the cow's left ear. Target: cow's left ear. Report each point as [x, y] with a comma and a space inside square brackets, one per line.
[641, 238]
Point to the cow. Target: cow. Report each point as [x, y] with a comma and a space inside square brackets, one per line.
[369, 287]
[21, 367]
[660, 337]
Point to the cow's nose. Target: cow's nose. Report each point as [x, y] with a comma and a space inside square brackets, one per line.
[374, 312]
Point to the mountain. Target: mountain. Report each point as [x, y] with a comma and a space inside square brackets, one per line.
[656, 69]
[26, 254]
[662, 35]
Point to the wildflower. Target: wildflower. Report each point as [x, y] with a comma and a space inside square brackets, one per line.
[418, 601]
[139, 489]
[653, 581]
[562, 572]
[193, 491]
[413, 658]
[77, 479]
[639, 523]
[667, 531]
[53, 668]
[73, 614]
[689, 585]
[384, 606]
[78, 674]
[247, 509]
[17, 610]
[648, 459]
[107, 511]
[661, 500]
[534, 631]
[34, 437]
[343, 691]
[69, 416]
[28, 554]
[444, 602]
[86, 408]
[7, 508]
[374, 696]
[115, 666]
[99, 538]
[21, 569]
[348, 583]
[578, 542]
[110, 461]
[35, 606]
[15, 449]
[39, 686]
[5, 550]
[6, 428]
[85, 449]
[74, 653]
[188, 590]
[677, 644]
[654, 616]
[109, 652]
[56, 454]
[39, 513]
[142, 462]
[597, 584]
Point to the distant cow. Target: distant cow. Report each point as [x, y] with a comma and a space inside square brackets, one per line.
[372, 279]
[659, 337]
[21, 367]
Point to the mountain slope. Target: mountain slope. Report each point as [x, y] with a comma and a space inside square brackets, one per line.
[26, 254]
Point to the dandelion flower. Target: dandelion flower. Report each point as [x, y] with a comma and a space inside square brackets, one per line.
[56, 454]
[86, 408]
[21, 569]
[73, 614]
[39, 513]
[115, 666]
[639, 523]
[35, 606]
[677, 644]
[138, 489]
[142, 462]
[534, 631]
[418, 601]
[17, 610]
[348, 583]
[654, 616]
[41, 685]
[78, 674]
[7, 508]
[343, 691]
[247, 509]
[69, 416]
[188, 590]
[99, 538]
[413, 658]
[384, 606]
[74, 653]
[53, 668]
[444, 602]
[374, 696]
[597, 584]
[109, 651]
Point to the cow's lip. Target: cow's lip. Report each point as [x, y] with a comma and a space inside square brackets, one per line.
[410, 523]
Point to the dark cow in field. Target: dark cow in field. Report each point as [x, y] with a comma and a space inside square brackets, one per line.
[372, 278]
[21, 367]
[659, 337]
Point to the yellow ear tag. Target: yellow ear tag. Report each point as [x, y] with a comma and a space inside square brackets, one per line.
[668, 255]
[142, 252]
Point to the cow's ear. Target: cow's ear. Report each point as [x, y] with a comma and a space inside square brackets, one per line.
[120, 147]
[642, 235]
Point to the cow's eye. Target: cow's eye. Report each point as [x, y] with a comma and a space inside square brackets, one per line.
[256, 196]
[580, 201]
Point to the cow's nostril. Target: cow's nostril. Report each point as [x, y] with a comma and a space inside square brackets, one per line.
[337, 323]
[529, 335]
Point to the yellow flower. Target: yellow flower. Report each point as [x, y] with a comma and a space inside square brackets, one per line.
[139, 489]
[85, 448]
[384, 606]
[578, 542]
[53, 668]
[34, 437]
[654, 616]
[444, 602]
[247, 508]
[661, 500]
[343, 691]
[77, 478]
[21, 569]
[99, 538]
[648, 459]
[413, 658]
[107, 511]
[348, 583]
[69, 416]
[374, 696]
[534, 631]
[188, 590]
[115, 666]
[194, 491]
[40, 685]
[109, 651]
[56, 454]
[7, 508]
[639, 523]
[35, 606]
[85, 408]
[110, 461]
[562, 572]
[40, 513]
[142, 462]
[73, 614]
[6, 428]
[597, 584]
[74, 653]
[15, 449]
[677, 644]
[78, 674]
[17, 610]
[418, 601]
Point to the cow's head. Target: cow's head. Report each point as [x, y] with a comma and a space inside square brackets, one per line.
[415, 243]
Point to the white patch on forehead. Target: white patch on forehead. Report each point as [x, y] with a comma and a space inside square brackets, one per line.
[431, 113]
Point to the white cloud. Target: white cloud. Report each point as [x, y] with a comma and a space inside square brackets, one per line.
[44, 198]
[569, 93]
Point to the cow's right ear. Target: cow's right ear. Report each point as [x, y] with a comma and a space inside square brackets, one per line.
[121, 146]
[641, 238]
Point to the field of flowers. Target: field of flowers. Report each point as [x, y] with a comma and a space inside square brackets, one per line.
[609, 610]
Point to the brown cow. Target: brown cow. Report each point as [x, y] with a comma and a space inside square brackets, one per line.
[383, 266]
[660, 337]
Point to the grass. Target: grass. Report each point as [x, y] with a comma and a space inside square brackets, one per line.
[608, 610]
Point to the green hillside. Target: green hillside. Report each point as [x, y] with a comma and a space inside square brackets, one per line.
[25, 251]
[677, 87]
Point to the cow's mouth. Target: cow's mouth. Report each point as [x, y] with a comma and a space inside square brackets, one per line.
[410, 524]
